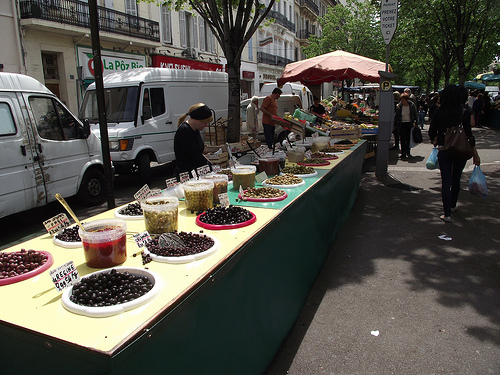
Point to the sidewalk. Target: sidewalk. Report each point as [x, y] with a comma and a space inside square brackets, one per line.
[403, 292]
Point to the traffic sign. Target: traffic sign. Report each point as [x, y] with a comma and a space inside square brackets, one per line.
[388, 19]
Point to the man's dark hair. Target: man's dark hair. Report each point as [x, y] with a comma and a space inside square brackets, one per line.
[277, 90]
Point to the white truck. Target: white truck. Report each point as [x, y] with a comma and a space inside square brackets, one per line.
[142, 108]
[291, 88]
[44, 149]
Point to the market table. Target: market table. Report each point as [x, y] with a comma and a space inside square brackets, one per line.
[225, 314]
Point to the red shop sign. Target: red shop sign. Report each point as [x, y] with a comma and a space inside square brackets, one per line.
[161, 61]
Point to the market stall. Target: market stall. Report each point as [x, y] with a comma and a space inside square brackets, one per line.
[225, 313]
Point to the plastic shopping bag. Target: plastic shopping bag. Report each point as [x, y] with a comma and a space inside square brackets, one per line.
[477, 183]
[432, 161]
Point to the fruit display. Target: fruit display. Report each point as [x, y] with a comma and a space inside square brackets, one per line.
[199, 195]
[104, 242]
[298, 169]
[226, 215]
[132, 209]
[160, 214]
[69, 234]
[109, 288]
[185, 244]
[285, 179]
[20, 262]
[333, 150]
[323, 155]
[263, 193]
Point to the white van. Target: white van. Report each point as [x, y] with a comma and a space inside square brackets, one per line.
[44, 149]
[142, 108]
[291, 88]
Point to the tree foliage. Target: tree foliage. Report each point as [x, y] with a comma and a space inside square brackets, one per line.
[233, 22]
[351, 28]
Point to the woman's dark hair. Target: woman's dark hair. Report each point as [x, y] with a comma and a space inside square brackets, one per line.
[450, 97]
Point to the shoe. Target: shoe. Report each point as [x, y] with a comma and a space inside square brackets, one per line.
[409, 156]
[446, 219]
[454, 209]
[395, 148]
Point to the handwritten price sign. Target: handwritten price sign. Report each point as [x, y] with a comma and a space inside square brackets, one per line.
[65, 276]
[56, 223]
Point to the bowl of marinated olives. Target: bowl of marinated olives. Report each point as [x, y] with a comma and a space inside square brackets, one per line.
[160, 214]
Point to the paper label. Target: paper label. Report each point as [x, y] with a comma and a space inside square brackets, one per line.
[56, 223]
[308, 154]
[65, 276]
[141, 239]
[155, 193]
[184, 176]
[142, 194]
[171, 182]
[262, 150]
[262, 176]
[224, 199]
[241, 190]
[216, 168]
[193, 173]
[203, 170]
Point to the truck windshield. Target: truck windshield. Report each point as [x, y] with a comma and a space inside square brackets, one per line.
[121, 104]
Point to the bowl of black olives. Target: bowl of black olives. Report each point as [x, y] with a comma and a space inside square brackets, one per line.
[111, 291]
[68, 237]
[131, 211]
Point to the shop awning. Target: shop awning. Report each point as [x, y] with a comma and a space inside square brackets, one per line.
[334, 66]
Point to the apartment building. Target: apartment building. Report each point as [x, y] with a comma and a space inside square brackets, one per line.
[50, 41]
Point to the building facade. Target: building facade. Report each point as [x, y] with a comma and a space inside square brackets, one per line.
[50, 41]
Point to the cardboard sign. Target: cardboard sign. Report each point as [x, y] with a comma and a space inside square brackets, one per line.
[65, 276]
[142, 194]
[141, 239]
[56, 223]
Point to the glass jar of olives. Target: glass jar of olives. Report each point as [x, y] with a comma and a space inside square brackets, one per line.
[199, 194]
[220, 184]
[244, 176]
[160, 214]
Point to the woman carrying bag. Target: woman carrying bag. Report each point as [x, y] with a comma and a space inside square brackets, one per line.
[451, 113]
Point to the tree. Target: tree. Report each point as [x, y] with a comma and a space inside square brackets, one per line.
[456, 33]
[233, 22]
[351, 28]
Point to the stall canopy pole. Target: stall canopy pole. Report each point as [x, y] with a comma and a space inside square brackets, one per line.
[101, 107]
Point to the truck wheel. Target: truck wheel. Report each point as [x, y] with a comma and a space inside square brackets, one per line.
[93, 188]
[144, 166]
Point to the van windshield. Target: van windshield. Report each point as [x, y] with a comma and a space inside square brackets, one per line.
[121, 104]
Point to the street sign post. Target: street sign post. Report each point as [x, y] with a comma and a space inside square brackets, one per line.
[388, 19]
[388, 25]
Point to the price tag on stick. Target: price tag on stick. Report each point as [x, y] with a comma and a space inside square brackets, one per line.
[142, 194]
[224, 199]
[65, 276]
[56, 223]
[141, 239]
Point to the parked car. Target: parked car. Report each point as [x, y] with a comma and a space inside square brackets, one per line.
[44, 149]
[142, 108]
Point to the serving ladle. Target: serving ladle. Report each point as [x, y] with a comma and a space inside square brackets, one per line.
[70, 211]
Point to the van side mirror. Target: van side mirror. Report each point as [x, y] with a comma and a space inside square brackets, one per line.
[85, 130]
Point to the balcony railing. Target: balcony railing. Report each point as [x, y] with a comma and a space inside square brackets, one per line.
[76, 13]
[313, 7]
[267, 58]
[281, 20]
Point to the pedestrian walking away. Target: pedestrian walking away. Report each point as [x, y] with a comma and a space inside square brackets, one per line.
[406, 118]
[451, 113]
